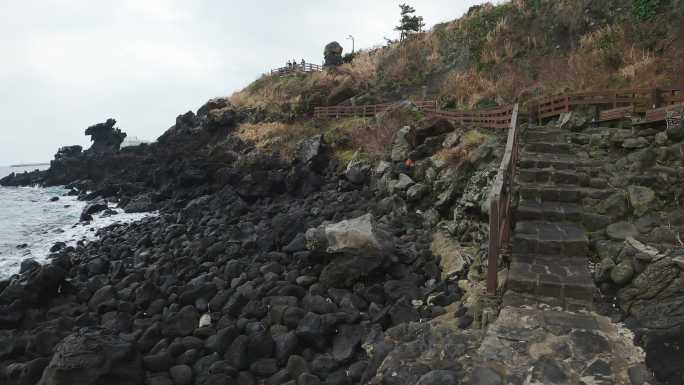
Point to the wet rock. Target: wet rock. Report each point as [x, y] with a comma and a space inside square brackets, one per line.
[157, 362]
[23, 373]
[236, 355]
[296, 365]
[35, 286]
[139, 204]
[181, 375]
[89, 357]
[346, 341]
[182, 323]
[264, 367]
[438, 377]
[93, 208]
[308, 379]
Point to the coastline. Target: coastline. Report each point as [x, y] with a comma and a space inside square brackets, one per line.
[232, 260]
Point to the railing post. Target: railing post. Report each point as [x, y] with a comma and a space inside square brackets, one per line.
[494, 247]
[655, 98]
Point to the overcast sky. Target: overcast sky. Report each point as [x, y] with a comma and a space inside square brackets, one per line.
[67, 64]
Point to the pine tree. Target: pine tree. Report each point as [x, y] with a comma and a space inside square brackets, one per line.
[409, 22]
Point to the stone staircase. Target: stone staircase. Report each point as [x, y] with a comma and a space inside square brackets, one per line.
[547, 332]
[549, 243]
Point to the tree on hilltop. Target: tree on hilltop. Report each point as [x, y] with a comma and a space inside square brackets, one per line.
[409, 23]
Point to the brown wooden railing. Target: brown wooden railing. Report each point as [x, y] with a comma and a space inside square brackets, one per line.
[296, 68]
[500, 202]
[498, 117]
[642, 99]
[365, 111]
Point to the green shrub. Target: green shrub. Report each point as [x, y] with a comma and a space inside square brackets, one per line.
[645, 10]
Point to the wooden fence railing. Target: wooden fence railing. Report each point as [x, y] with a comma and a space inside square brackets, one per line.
[500, 202]
[296, 68]
[642, 99]
[498, 117]
[365, 111]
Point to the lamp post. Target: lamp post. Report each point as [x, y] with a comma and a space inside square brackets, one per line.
[350, 37]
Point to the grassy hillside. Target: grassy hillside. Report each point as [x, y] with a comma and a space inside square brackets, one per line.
[493, 55]
[496, 54]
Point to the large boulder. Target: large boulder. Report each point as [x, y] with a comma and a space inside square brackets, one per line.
[35, 286]
[90, 357]
[656, 296]
[93, 208]
[676, 131]
[217, 114]
[312, 152]
[453, 257]
[105, 137]
[358, 246]
[332, 54]
[402, 145]
[356, 235]
[640, 198]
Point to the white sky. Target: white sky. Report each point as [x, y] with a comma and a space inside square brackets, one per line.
[68, 64]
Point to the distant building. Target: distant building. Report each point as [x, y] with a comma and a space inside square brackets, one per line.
[132, 141]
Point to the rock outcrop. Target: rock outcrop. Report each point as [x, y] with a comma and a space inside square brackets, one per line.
[332, 54]
[105, 137]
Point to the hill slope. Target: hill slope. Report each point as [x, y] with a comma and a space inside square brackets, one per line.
[495, 54]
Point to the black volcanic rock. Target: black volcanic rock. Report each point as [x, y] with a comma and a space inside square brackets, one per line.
[105, 137]
[90, 357]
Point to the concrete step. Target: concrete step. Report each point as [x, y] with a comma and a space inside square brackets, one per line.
[532, 210]
[547, 176]
[550, 238]
[559, 193]
[549, 147]
[551, 277]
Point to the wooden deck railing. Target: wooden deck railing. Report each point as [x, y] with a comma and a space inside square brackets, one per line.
[500, 202]
[296, 68]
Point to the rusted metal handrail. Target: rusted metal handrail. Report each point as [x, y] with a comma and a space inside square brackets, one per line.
[500, 203]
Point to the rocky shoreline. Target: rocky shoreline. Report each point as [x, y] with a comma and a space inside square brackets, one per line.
[259, 269]
[266, 269]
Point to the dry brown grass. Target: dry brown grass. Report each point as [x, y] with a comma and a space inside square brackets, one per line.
[276, 137]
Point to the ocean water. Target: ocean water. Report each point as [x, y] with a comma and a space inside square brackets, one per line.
[30, 224]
